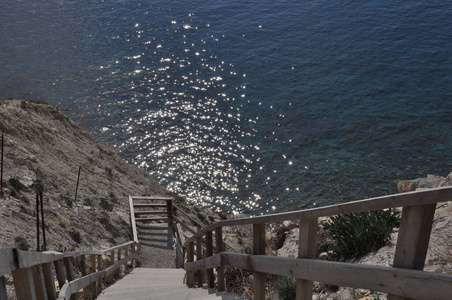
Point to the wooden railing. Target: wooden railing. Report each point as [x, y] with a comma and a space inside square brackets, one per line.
[35, 273]
[406, 279]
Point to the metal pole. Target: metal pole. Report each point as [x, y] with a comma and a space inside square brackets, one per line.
[43, 224]
[37, 222]
[78, 180]
[1, 171]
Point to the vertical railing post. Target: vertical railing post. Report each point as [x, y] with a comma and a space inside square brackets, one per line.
[3, 295]
[118, 271]
[220, 248]
[413, 238]
[59, 273]
[99, 268]
[306, 249]
[259, 249]
[83, 270]
[49, 281]
[190, 258]
[209, 250]
[93, 270]
[169, 209]
[24, 284]
[68, 266]
[199, 257]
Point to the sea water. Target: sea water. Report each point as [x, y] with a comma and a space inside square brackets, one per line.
[248, 106]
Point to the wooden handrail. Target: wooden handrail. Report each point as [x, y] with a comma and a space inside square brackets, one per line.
[423, 197]
[25, 265]
[404, 279]
[402, 282]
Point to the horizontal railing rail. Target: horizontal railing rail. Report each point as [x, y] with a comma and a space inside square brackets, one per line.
[404, 280]
[34, 277]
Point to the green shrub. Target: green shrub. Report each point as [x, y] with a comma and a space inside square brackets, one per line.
[360, 233]
[15, 183]
[202, 218]
[286, 288]
[87, 202]
[67, 199]
[106, 204]
[21, 243]
[211, 218]
[75, 236]
[113, 198]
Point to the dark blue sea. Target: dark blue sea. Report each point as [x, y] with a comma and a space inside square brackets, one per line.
[249, 106]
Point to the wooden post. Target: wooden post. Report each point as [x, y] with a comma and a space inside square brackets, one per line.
[93, 270]
[126, 253]
[190, 258]
[68, 265]
[24, 284]
[99, 268]
[59, 273]
[86, 290]
[199, 257]
[118, 270]
[3, 295]
[1, 165]
[306, 249]
[44, 245]
[413, 239]
[209, 249]
[38, 278]
[38, 249]
[220, 248]
[109, 279]
[259, 249]
[49, 280]
[169, 210]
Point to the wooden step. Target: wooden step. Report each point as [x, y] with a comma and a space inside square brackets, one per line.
[152, 219]
[149, 205]
[150, 212]
[152, 198]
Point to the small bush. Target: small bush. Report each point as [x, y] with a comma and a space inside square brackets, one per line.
[75, 236]
[67, 199]
[87, 202]
[113, 198]
[16, 184]
[21, 243]
[222, 215]
[202, 218]
[286, 288]
[211, 218]
[62, 225]
[106, 204]
[360, 233]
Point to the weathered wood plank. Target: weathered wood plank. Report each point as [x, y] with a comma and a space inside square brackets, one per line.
[413, 238]
[49, 280]
[209, 252]
[38, 279]
[205, 263]
[3, 295]
[199, 257]
[259, 249]
[429, 196]
[58, 264]
[24, 284]
[402, 282]
[306, 249]
[220, 248]
[190, 258]
[149, 205]
[68, 266]
[150, 212]
[132, 220]
[165, 220]
[155, 198]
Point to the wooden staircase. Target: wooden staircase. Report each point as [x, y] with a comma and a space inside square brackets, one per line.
[158, 284]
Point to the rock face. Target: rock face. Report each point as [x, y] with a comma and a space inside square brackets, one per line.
[41, 144]
[432, 181]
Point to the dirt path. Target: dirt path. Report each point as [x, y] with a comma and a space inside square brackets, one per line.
[157, 246]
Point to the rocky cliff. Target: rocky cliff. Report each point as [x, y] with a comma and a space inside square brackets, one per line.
[42, 147]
